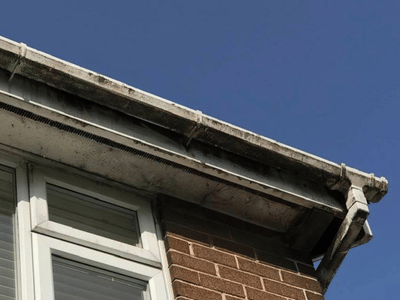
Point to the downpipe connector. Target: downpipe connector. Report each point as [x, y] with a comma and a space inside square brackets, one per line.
[357, 213]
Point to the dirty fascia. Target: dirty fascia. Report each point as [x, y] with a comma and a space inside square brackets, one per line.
[360, 188]
[17, 58]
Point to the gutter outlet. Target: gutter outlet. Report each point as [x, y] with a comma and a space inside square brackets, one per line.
[353, 223]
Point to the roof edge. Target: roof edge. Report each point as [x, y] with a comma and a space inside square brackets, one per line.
[17, 58]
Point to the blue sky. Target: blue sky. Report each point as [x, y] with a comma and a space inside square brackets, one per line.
[316, 75]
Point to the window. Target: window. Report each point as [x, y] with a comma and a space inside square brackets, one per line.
[77, 281]
[73, 236]
[92, 215]
[47, 250]
[7, 245]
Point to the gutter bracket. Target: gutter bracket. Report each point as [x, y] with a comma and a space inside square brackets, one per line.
[353, 223]
[193, 133]
[342, 182]
[22, 54]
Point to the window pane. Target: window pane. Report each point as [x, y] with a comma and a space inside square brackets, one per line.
[7, 261]
[73, 281]
[92, 215]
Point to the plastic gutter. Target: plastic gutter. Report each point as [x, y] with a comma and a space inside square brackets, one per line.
[17, 58]
[360, 188]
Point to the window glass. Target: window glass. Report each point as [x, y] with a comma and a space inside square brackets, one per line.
[7, 260]
[92, 215]
[73, 281]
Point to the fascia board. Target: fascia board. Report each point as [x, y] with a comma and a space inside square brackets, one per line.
[73, 79]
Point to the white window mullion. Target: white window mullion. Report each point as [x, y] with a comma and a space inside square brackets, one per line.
[42, 269]
[148, 230]
[25, 264]
[37, 192]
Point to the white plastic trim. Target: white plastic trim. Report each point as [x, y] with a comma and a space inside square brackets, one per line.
[45, 246]
[24, 271]
[39, 176]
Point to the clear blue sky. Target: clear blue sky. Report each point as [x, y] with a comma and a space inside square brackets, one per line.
[321, 76]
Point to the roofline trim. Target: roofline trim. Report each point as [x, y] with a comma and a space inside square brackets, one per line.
[111, 93]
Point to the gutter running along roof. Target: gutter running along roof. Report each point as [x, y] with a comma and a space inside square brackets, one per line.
[358, 188]
[17, 58]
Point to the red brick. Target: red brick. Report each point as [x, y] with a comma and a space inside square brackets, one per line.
[218, 229]
[284, 290]
[313, 296]
[199, 224]
[253, 294]
[186, 233]
[239, 276]
[301, 256]
[194, 292]
[190, 262]
[221, 285]
[234, 247]
[261, 231]
[176, 244]
[228, 297]
[214, 255]
[269, 243]
[301, 281]
[225, 219]
[306, 269]
[178, 272]
[180, 205]
[258, 268]
[276, 261]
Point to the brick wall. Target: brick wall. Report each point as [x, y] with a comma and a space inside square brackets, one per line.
[212, 256]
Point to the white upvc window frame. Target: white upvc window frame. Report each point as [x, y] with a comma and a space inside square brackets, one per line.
[40, 176]
[23, 240]
[37, 239]
[44, 247]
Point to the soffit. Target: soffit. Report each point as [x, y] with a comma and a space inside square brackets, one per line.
[192, 124]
